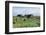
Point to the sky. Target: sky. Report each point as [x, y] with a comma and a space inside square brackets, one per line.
[35, 11]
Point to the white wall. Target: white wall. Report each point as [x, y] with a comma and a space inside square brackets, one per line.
[2, 16]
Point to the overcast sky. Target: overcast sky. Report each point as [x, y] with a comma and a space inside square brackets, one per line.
[26, 10]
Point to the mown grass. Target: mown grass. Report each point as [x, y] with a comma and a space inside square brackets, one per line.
[18, 22]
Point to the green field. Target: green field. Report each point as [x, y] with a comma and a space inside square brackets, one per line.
[18, 22]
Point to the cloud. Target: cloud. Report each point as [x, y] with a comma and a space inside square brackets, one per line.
[26, 10]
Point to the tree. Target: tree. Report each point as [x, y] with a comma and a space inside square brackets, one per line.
[28, 16]
[19, 15]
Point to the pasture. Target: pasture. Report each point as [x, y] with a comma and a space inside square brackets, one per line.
[21, 22]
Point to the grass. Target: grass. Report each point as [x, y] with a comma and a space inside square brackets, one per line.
[31, 22]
